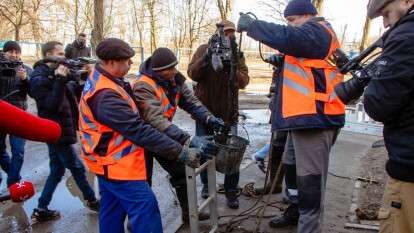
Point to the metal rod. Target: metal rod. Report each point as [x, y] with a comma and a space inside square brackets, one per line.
[202, 167]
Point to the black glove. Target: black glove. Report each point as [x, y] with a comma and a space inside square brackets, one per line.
[205, 144]
[190, 156]
[244, 22]
[215, 123]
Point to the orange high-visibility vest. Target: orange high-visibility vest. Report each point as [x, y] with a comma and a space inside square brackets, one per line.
[123, 159]
[300, 95]
[167, 108]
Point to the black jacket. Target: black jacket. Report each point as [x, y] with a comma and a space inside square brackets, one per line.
[389, 98]
[76, 50]
[11, 84]
[56, 101]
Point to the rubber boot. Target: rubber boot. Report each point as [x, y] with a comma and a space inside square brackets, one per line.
[232, 200]
[289, 218]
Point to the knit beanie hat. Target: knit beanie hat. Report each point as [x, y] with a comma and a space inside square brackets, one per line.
[300, 7]
[163, 58]
[11, 45]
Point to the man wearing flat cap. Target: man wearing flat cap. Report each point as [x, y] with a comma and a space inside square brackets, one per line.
[159, 91]
[212, 89]
[113, 138]
[388, 98]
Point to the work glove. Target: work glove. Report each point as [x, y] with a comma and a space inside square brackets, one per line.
[244, 22]
[190, 156]
[217, 124]
[205, 144]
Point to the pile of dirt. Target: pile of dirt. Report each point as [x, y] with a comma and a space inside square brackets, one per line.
[375, 176]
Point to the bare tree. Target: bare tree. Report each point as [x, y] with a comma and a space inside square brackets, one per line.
[274, 8]
[98, 23]
[14, 12]
[138, 17]
[225, 8]
[365, 34]
[151, 6]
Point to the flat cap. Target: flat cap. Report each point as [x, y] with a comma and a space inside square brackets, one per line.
[375, 7]
[114, 49]
[228, 25]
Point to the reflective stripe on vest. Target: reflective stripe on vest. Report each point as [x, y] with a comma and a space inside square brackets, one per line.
[167, 109]
[123, 159]
[299, 95]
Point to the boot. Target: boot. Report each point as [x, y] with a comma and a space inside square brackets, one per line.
[43, 215]
[232, 200]
[289, 218]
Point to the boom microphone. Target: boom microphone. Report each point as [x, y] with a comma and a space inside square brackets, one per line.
[28, 126]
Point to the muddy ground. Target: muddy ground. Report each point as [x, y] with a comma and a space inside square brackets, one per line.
[345, 161]
[372, 190]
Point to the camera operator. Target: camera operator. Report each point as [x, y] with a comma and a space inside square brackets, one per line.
[212, 90]
[55, 100]
[305, 106]
[14, 87]
[388, 98]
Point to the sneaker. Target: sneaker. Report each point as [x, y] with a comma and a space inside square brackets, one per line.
[204, 192]
[43, 215]
[93, 205]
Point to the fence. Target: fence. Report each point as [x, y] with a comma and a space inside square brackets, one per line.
[358, 121]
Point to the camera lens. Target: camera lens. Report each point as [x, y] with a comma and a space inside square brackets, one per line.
[350, 90]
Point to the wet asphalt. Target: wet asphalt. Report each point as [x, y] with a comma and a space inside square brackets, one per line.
[75, 217]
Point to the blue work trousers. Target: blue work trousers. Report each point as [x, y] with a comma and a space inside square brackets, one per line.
[134, 199]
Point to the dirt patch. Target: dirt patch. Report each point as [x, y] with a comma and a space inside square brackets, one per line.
[372, 189]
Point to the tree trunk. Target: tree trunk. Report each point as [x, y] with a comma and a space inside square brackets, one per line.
[16, 33]
[153, 29]
[365, 35]
[98, 23]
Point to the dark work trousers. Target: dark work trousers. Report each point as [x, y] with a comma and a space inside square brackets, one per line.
[62, 157]
[230, 181]
[309, 150]
[12, 166]
[277, 146]
[176, 170]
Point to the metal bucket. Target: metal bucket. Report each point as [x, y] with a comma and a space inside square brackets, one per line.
[230, 155]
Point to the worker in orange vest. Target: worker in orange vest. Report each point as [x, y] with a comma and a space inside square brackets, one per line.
[305, 106]
[159, 90]
[114, 136]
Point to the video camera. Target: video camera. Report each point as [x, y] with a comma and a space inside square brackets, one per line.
[8, 67]
[361, 73]
[76, 66]
[220, 49]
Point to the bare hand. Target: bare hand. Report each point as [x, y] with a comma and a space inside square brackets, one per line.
[62, 71]
[21, 73]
